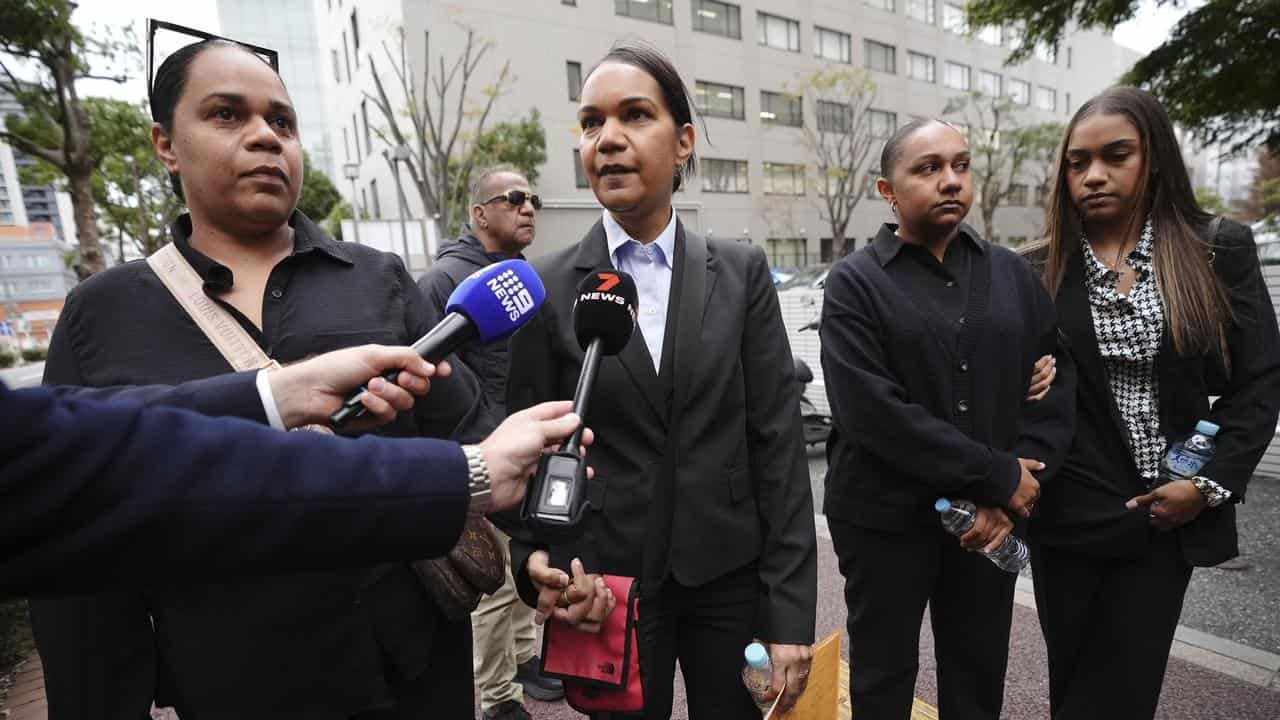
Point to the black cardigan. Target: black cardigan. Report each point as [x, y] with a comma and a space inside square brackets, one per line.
[918, 416]
[1084, 507]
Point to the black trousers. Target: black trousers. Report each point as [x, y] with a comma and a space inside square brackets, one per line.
[889, 578]
[706, 628]
[1108, 624]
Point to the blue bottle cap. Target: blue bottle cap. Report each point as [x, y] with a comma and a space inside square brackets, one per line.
[757, 656]
[942, 505]
[1204, 427]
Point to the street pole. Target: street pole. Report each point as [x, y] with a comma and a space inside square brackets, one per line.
[402, 153]
[352, 171]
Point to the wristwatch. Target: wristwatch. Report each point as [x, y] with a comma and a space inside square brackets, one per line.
[478, 484]
[1214, 494]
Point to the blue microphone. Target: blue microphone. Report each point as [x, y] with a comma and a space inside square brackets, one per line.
[490, 304]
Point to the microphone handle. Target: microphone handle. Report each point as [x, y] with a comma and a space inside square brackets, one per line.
[582, 395]
[454, 331]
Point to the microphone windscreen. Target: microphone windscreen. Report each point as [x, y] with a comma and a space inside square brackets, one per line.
[605, 309]
[498, 299]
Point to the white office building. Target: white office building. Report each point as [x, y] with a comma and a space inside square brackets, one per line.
[737, 58]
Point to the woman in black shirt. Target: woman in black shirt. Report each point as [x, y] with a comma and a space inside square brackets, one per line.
[928, 336]
[1164, 307]
[336, 644]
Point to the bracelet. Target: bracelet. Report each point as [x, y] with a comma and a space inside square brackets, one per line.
[1214, 494]
[478, 484]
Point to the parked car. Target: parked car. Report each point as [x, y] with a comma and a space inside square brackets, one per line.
[1267, 237]
[810, 278]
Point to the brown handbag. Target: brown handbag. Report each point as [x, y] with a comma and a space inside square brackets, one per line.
[475, 566]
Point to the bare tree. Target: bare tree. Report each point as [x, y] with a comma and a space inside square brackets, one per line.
[440, 119]
[839, 142]
[1001, 148]
[56, 129]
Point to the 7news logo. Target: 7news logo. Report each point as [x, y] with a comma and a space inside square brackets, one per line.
[512, 293]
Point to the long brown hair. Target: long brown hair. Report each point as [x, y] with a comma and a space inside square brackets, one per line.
[1196, 304]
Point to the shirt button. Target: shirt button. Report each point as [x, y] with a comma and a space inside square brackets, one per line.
[961, 320]
[962, 407]
[277, 293]
[951, 283]
[964, 366]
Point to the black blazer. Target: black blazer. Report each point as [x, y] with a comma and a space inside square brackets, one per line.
[700, 469]
[1084, 508]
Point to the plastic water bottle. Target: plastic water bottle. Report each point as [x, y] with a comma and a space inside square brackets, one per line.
[1186, 459]
[959, 515]
[757, 675]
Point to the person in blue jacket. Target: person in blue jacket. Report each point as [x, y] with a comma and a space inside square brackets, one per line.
[112, 487]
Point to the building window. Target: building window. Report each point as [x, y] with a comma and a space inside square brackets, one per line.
[368, 135]
[355, 136]
[658, 11]
[778, 32]
[922, 67]
[716, 100]
[957, 76]
[363, 211]
[574, 72]
[571, 3]
[1020, 91]
[579, 173]
[1068, 57]
[783, 179]
[880, 56]
[1047, 53]
[346, 52]
[377, 202]
[872, 192]
[1067, 106]
[887, 5]
[355, 36]
[953, 19]
[834, 117]
[990, 84]
[991, 35]
[779, 109]
[724, 176]
[824, 250]
[1017, 195]
[1046, 98]
[337, 66]
[883, 123]
[832, 45]
[922, 10]
[717, 18]
[346, 143]
[786, 252]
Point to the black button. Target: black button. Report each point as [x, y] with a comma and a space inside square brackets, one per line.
[962, 407]
[961, 320]
[964, 366]
[951, 283]
[277, 293]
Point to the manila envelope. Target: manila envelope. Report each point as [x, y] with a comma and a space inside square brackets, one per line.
[823, 690]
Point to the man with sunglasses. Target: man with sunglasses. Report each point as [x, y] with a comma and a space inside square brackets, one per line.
[501, 226]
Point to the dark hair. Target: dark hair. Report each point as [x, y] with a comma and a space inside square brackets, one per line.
[892, 151]
[1195, 301]
[171, 80]
[675, 94]
[481, 185]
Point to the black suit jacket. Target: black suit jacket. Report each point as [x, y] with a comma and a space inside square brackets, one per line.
[1084, 507]
[116, 487]
[700, 469]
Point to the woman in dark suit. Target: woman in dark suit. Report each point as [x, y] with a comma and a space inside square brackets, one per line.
[702, 485]
[1164, 306]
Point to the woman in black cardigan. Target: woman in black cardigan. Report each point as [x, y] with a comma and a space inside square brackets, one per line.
[1164, 306]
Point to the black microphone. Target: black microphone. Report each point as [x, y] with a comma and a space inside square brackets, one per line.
[604, 318]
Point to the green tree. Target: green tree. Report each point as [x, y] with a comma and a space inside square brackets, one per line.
[1263, 201]
[1209, 199]
[1002, 150]
[37, 36]
[1216, 74]
[520, 143]
[839, 142]
[319, 196]
[332, 222]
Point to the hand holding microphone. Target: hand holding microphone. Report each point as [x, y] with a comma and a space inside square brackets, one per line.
[604, 318]
[488, 305]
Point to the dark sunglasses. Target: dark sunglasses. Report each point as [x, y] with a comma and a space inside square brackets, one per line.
[270, 56]
[517, 198]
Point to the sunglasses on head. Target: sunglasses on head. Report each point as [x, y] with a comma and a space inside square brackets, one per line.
[517, 198]
[153, 26]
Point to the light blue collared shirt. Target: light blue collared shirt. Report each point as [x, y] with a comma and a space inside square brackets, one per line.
[650, 266]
